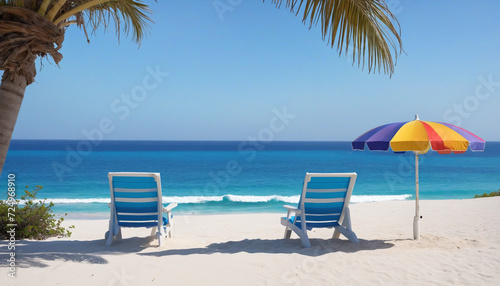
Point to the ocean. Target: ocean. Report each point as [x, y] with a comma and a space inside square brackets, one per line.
[206, 177]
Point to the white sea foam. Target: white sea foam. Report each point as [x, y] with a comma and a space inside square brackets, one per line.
[262, 199]
[74, 201]
[233, 198]
[230, 198]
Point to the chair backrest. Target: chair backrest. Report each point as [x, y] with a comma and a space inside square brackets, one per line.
[136, 199]
[325, 197]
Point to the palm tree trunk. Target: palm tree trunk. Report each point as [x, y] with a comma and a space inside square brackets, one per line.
[11, 96]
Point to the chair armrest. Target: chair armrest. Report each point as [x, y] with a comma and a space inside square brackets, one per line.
[170, 207]
[293, 209]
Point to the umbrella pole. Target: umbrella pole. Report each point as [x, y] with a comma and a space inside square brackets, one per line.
[416, 219]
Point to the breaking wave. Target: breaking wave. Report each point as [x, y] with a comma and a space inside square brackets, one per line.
[234, 199]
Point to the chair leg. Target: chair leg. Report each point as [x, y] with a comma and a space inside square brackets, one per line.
[119, 234]
[109, 238]
[336, 234]
[347, 233]
[159, 236]
[169, 226]
[288, 233]
[301, 233]
[346, 228]
[305, 239]
[153, 231]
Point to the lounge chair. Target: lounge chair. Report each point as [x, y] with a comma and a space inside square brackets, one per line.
[324, 203]
[136, 201]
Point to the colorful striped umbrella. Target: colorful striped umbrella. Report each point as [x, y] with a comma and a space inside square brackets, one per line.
[419, 136]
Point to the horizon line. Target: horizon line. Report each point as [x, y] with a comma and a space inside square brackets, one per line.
[184, 140]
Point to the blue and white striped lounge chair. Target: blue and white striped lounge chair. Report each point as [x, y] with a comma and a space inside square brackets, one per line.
[136, 201]
[324, 203]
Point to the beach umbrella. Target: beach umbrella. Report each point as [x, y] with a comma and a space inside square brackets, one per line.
[419, 136]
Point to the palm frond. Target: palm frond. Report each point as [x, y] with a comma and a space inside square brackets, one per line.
[43, 8]
[56, 8]
[133, 14]
[366, 27]
[33, 5]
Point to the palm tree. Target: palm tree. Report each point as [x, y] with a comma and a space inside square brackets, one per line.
[35, 28]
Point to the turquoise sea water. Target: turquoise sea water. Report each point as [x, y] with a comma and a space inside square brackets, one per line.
[223, 177]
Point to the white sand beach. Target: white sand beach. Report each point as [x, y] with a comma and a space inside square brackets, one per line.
[459, 245]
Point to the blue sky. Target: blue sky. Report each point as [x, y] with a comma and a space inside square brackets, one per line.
[202, 76]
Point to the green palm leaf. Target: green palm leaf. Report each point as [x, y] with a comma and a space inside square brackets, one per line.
[132, 14]
[365, 28]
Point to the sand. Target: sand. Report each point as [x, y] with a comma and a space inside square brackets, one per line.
[459, 245]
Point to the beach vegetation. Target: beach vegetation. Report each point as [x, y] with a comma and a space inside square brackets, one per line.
[485, 195]
[34, 220]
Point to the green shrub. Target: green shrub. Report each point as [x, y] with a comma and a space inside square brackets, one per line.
[492, 194]
[34, 220]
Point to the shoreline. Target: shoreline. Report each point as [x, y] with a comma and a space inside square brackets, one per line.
[83, 215]
[459, 245]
